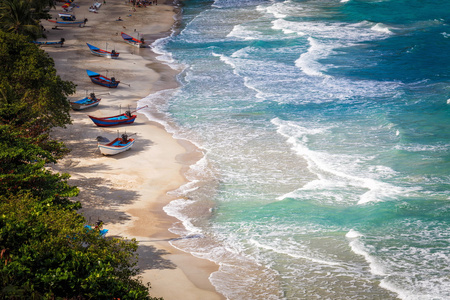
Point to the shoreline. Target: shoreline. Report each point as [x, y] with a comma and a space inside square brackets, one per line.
[128, 191]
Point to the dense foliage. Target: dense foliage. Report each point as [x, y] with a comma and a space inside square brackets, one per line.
[45, 250]
[32, 95]
[22, 16]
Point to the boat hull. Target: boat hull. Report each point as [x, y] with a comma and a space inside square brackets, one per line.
[122, 119]
[85, 103]
[132, 41]
[100, 52]
[68, 23]
[115, 147]
[102, 80]
[60, 43]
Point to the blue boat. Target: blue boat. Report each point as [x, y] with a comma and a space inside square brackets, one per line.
[102, 80]
[58, 43]
[86, 102]
[101, 52]
[65, 23]
[132, 41]
[122, 119]
[125, 118]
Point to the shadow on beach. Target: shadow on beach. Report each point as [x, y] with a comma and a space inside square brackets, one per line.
[152, 258]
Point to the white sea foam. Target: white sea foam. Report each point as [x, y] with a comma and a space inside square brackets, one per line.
[233, 62]
[358, 248]
[308, 62]
[326, 167]
[380, 27]
[174, 209]
[292, 254]
[283, 25]
[423, 148]
[281, 10]
[240, 31]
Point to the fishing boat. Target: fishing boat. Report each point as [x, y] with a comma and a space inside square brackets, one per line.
[69, 23]
[122, 119]
[133, 41]
[67, 17]
[117, 146]
[104, 53]
[102, 80]
[125, 118]
[86, 102]
[42, 43]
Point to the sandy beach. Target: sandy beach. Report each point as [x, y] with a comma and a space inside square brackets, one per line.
[128, 191]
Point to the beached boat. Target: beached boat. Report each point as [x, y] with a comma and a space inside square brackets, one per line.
[104, 53]
[69, 23]
[102, 80]
[67, 17]
[133, 41]
[125, 118]
[46, 43]
[86, 102]
[117, 146]
[122, 119]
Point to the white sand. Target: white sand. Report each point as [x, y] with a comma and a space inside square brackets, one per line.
[129, 190]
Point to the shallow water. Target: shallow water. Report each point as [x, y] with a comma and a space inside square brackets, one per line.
[325, 128]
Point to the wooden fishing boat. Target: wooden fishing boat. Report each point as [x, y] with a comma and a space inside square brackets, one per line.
[45, 43]
[117, 146]
[122, 119]
[86, 102]
[133, 41]
[69, 23]
[125, 118]
[102, 80]
[104, 53]
[67, 17]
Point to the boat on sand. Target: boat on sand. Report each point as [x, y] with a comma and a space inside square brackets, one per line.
[133, 41]
[86, 102]
[102, 80]
[100, 52]
[118, 145]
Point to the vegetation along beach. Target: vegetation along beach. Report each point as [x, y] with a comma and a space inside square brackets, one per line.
[46, 250]
[225, 149]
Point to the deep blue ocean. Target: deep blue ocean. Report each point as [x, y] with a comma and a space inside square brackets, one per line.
[325, 128]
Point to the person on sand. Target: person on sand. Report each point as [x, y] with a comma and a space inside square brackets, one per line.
[119, 19]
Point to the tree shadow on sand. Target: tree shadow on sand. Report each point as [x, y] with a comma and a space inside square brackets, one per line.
[151, 258]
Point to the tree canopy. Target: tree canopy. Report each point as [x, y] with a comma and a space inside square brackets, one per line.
[46, 252]
[23, 16]
[32, 96]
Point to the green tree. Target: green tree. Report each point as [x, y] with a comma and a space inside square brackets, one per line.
[19, 16]
[22, 169]
[46, 253]
[32, 96]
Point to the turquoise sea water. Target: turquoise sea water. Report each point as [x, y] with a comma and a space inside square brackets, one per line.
[325, 128]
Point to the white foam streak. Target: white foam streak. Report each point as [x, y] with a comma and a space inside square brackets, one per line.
[380, 27]
[241, 32]
[291, 254]
[174, 209]
[358, 248]
[308, 62]
[230, 61]
[329, 177]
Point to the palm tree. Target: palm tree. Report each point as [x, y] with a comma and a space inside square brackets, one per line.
[17, 16]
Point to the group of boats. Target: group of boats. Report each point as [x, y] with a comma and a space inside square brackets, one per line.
[120, 143]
